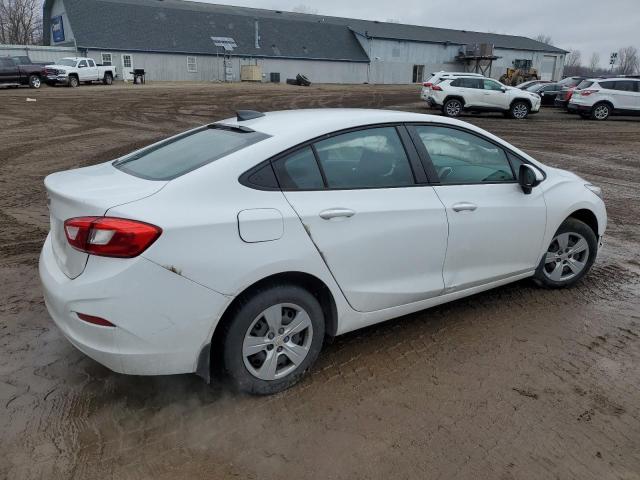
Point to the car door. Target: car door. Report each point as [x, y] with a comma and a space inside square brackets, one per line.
[470, 89]
[92, 70]
[495, 230]
[8, 71]
[363, 199]
[83, 71]
[493, 95]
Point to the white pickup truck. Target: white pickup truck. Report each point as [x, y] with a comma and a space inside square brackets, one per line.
[73, 71]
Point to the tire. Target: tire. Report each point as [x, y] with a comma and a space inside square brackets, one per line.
[303, 81]
[586, 116]
[519, 110]
[35, 81]
[74, 82]
[452, 108]
[250, 341]
[108, 79]
[561, 269]
[600, 111]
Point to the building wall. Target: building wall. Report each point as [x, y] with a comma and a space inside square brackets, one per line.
[173, 67]
[38, 53]
[392, 61]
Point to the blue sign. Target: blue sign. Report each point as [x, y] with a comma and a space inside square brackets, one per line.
[57, 28]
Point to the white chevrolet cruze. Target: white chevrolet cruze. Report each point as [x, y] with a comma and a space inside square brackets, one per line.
[245, 243]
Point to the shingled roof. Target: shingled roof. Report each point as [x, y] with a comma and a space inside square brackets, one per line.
[176, 26]
[185, 27]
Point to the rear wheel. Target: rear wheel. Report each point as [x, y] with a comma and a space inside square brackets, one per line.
[108, 79]
[272, 339]
[600, 111]
[452, 108]
[519, 110]
[569, 257]
[34, 81]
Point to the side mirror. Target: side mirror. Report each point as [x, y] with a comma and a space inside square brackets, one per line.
[527, 178]
[503, 89]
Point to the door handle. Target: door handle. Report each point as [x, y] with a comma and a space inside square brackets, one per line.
[337, 213]
[465, 207]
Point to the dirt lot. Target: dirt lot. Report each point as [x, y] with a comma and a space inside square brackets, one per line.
[516, 383]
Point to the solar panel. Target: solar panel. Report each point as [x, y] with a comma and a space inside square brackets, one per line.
[227, 43]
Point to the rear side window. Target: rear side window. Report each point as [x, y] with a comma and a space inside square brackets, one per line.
[185, 153]
[372, 158]
[299, 171]
[608, 85]
[467, 83]
[462, 158]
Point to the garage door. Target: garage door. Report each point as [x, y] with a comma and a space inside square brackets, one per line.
[548, 67]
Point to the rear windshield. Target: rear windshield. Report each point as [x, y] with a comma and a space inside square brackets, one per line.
[185, 153]
[584, 84]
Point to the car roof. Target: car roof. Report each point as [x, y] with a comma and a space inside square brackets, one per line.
[311, 123]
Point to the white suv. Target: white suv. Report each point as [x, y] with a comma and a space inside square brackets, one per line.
[599, 98]
[437, 77]
[482, 94]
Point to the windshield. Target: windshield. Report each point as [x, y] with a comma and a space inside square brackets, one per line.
[67, 62]
[187, 152]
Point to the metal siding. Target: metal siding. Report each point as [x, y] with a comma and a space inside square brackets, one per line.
[38, 53]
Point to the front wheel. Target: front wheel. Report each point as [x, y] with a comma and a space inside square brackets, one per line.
[35, 82]
[569, 256]
[272, 339]
[519, 110]
[452, 108]
[74, 82]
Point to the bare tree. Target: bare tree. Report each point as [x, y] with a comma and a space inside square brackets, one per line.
[628, 61]
[574, 59]
[594, 62]
[544, 39]
[20, 22]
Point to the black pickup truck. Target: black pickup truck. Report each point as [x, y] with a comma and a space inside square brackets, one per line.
[15, 72]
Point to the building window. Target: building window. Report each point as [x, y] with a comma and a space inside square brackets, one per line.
[192, 65]
[106, 59]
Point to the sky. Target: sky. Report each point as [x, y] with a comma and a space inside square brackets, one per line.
[591, 26]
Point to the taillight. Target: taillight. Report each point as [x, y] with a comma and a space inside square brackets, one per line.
[586, 93]
[427, 84]
[437, 88]
[110, 237]
[569, 94]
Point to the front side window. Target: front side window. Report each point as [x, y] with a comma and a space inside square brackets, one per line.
[299, 171]
[463, 158]
[491, 85]
[82, 64]
[372, 158]
[187, 152]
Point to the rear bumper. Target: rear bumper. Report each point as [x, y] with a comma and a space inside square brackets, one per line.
[561, 103]
[162, 320]
[576, 108]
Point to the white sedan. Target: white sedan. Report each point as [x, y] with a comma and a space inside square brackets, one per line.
[244, 243]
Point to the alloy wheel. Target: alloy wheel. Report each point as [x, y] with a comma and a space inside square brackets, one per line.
[520, 111]
[453, 108]
[35, 82]
[601, 112]
[566, 257]
[277, 341]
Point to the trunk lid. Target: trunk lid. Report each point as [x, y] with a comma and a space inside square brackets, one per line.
[83, 192]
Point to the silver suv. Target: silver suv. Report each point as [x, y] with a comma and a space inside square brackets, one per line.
[599, 98]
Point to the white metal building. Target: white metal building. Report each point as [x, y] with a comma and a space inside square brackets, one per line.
[175, 40]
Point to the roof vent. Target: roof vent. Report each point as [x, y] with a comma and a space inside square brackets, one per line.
[244, 115]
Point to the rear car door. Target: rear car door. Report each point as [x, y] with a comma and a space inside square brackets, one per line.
[92, 70]
[363, 199]
[495, 230]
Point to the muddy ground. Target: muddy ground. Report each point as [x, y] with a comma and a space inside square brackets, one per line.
[516, 383]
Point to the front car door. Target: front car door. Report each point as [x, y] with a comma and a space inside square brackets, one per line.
[83, 71]
[363, 199]
[495, 230]
[494, 95]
